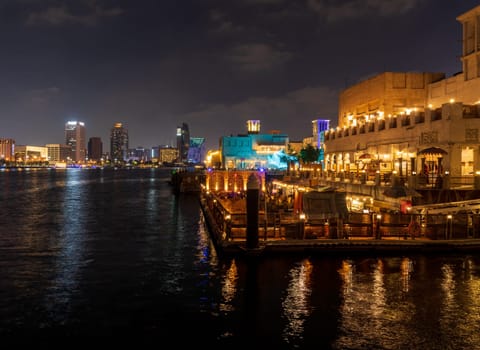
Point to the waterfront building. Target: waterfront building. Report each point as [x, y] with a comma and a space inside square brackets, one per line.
[139, 154]
[412, 124]
[31, 155]
[118, 143]
[95, 149]
[167, 154]
[213, 159]
[75, 138]
[319, 126]
[196, 151]
[7, 149]
[183, 142]
[294, 147]
[154, 153]
[254, 150]
[58, 152]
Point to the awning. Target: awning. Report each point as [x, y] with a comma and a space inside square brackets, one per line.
[399, 191]
[432, 150]
[325, 205]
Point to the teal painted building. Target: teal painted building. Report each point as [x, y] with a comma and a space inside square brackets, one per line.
[254, 150]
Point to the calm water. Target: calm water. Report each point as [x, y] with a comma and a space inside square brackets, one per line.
[115, 253]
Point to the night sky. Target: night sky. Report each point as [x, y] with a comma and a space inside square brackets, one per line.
[213, 64]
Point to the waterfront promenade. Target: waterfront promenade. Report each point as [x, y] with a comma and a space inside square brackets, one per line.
[226, 220]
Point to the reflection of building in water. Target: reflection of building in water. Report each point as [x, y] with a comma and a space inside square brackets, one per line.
[386, 121]
[406, 269]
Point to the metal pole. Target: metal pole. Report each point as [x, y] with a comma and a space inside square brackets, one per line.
[252, 211]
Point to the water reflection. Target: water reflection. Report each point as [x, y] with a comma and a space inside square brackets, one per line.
[296, 304]
[406, 268]
[369, 311]
[71, 237]
[460, 310]
[229, 288]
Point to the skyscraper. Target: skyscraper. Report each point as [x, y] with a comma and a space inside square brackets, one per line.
[183, 142]
[58, 152]
[118, 143]
[75, 138]
[7, 149]
[95, 148]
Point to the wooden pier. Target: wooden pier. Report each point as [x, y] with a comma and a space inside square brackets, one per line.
[284, 231]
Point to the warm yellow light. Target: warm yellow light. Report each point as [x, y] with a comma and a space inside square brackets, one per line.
[452, 100]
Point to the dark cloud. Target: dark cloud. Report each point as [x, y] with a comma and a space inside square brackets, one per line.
[337, 10]
[258, 57]
[87, 12]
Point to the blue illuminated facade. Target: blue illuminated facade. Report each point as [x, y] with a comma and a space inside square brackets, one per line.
[196, 151]
[319, 126]
[254, 150]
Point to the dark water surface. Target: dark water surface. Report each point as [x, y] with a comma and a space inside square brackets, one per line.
[115, 253]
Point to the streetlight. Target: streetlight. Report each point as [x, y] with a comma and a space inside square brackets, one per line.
[448, 228]
[377, 228]
[227, 226]
[302, 224]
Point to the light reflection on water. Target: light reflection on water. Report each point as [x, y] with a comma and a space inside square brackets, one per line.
[71, 246]
[102, 252]
[296, 305]
[377, 315]
[229, 288]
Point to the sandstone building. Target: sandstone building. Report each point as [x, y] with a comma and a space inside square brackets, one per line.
[412, 123]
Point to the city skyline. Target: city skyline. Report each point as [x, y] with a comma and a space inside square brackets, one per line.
[211, 65]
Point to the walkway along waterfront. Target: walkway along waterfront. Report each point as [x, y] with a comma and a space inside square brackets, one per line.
[287, 227]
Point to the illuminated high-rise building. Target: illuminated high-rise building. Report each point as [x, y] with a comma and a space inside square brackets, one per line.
[75, 138]
[118, 143]
[58, 152]
[7, 149]
[183, 142]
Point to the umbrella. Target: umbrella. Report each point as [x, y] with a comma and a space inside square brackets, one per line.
[399, 191]
[432, 150]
